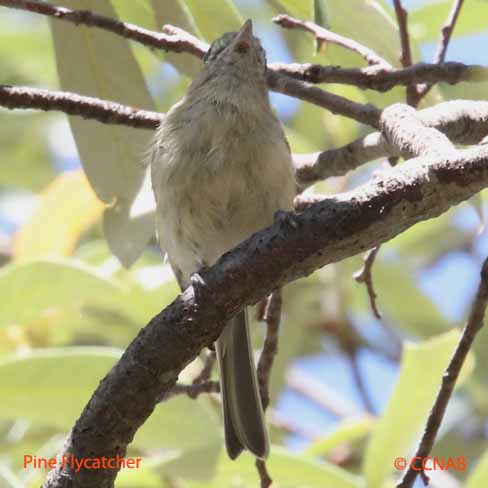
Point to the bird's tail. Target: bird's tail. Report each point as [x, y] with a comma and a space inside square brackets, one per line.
[244, 422]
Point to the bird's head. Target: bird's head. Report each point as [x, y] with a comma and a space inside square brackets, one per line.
[238, 52]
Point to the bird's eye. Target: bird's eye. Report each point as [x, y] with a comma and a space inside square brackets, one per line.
[242, 48]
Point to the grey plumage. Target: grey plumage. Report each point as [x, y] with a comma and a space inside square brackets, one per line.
[221, 168]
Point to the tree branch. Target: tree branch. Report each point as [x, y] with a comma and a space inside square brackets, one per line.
[74, 104]
[383, 79]
[328, 231]
[270, 347]
[462, 121]
[178, 40]
[326, 35]
[449, 378]
[364, 275]
[447, 30]
[272, 317]
[402, 16]
[193, 391]
[177, 43]
[406, 54]
[446, 33]
[365, 113]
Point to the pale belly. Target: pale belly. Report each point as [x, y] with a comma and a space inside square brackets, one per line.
[201, 217]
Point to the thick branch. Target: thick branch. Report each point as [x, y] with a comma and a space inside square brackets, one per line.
[462, 121]
[449, 378]
[326, 232]
[325, 35]
[73, 104]
[409, 136]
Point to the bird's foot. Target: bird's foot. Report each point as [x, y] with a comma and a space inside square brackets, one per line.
[285, 219]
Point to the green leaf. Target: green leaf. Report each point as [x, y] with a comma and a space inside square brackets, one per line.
[348, 431]
[479, 476]
[288, 471]
[66, 209]
[214, 17]
[402, 301]
[97, 63]
[8, 479]
[175, 12]
[420, 377]
[22, 140]
[421, 243]
[426, 22]
[31, 289]
[377, 28]
[296, 8]
[301, 311]
[33, 382]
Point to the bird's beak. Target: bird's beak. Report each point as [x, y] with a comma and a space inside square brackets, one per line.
[243, 40]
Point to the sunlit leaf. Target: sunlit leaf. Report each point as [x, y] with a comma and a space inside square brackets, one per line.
[426, 21]
[97, 63]
[479, 476]
[297, 8]
[31, 289]
[401, 300]
[24, 151]
[421, 371]
[288, 470]
[348, 431]
[175, 12]
[35, 381]
[67, 208]
[214, 17]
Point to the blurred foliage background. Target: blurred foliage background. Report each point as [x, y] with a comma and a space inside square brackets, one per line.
[350, 393]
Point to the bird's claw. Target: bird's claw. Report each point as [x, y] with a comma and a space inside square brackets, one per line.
[286, 219]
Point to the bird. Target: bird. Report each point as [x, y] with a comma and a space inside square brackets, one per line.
[221, 169]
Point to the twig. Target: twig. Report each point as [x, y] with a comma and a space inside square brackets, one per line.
[74, 104]
[206, 371]
[272, 318]
[447, 30]
[193, 390]
[406, 55]
[365, 113]
[472, 327]
[319, 393]
[326, 35]
[402, 16]
[270, 347]
[264, 477]
[183, 42]
[383, 79]
[359, 381]
[364, 275]
[446, 33]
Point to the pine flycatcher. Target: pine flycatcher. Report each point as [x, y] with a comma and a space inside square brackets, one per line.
[221, 167]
